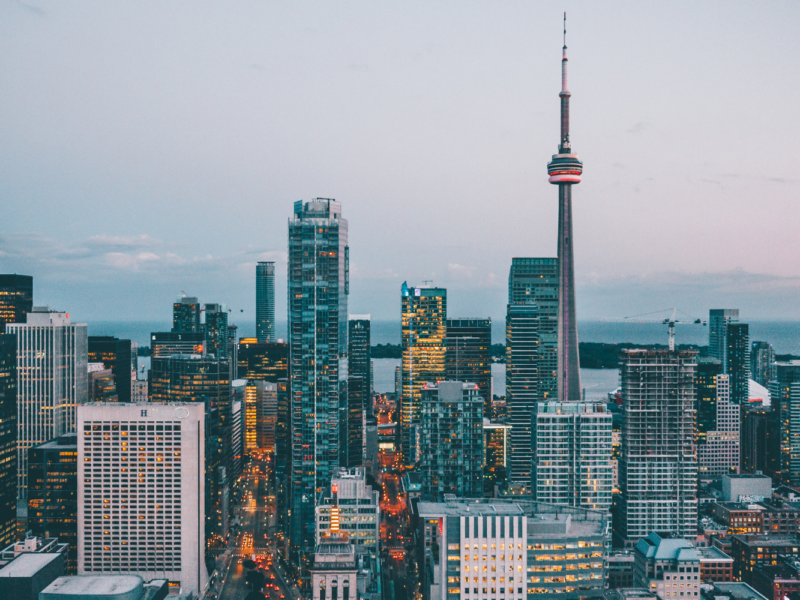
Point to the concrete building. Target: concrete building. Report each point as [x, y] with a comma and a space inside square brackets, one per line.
[658, 463]
[620, 569]
[451, 440]
[424, 333]
[750, 551]
[734, 590]
[715, 565]
[51, 382]
[667, 566]
[350, 509]
[496, 450]
[334, 571]
[27, 575]
[718, 420]
[265, 302]
[108, 587]
[149, 521]
[514, 549]
[572, 455]
[779, 581]
[746, 488]
[319, 285]
[468, 356]
[139, 391]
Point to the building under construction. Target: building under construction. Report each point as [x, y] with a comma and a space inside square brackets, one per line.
[658, 461]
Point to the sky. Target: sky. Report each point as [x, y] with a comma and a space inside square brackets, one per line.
[149, 148]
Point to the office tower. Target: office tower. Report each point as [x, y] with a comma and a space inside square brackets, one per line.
[216, 330]
[785, 393]
[167, 343]
[359, 386]
[572, 455]
[760, 442]
[147, 521]
[53, 493]
[658, 464]
[267, 361]
[118, 356]
[233, 350]
[100, 384]
[358, 352]
[361, 525]
[186, 315]
[51, 381]
[565, 171]
[16, 298]
[237, 438]
[451, 440]
[468, 358]
[762, 363]
[496, 449]
[265, 302]
[738, 362]
[189, 378]
[717, 421]
[460, 536]
[8, 439]
[718, 321]
[216, 481]
[283, 441]
[424, 332]
[352, 431]
[261, 415]
[318, 286]
[522, 377]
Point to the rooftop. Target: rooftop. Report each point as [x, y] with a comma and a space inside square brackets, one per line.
[767, 540]
[660, 547]
[28, 564]
[712, 553]
[120, 587]
[739, 590]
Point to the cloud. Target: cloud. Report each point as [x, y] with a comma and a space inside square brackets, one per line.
[128, 241]
[357, 272]
[460, 271]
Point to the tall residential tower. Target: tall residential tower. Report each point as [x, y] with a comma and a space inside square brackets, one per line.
[265, 302]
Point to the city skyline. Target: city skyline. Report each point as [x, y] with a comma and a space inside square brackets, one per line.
[478, 133]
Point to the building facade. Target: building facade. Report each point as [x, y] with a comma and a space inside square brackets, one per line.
[51, 381]
[468, 356]
[738, 362]
[148, 520]
[186, 315]
[718, 422]
[265, 361]
[216, 330]
[318, 287]
[8, 439]
[658, 462]
[16, 298]
[762, 362]
[424, 332]
[166, 343]
[718, 321]
[572, 455]
[115, 354]
[359, 387]
[785, 393]
[666, 566]
[265, 302]
[451, 440]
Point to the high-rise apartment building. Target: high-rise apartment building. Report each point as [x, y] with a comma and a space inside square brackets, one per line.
[261, 415]
[718, 321]
[738, 362]
[167, 343]
[359, 387]
[265, 361]
[115, 354]
[141, 491]
[760, 441]
[658, 462]
[451, 440]
[51, 381]
[572, 455]
[762, 362]
[496, 449]
[53, 493]
[265, 302]
[468, 356]
[717, 421]
[785, 393]
[318, 286]
[358, 350]
[8, 439]
[16, 298]
[186, 315]
[424, 333]
[352, 431]
[216, 330]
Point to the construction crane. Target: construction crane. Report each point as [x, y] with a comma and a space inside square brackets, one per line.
[670, 321]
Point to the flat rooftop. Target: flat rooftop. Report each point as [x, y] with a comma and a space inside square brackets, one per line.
[28, 564]
[712, 553]
[122, 587]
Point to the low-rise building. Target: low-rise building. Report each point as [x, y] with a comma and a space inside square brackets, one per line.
[29, 573]
[738, 517]
[734, 590]
[747, 487]
[715, 565]
[777, 581]
[667, 566]
[107, 587]
[620, 569]
[334, 574]
[750, 551]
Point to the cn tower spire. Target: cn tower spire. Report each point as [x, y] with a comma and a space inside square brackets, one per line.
[565, 171]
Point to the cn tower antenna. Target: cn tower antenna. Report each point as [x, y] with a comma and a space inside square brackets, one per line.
[565, 30]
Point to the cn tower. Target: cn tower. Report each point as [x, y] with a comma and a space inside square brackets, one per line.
[565, 171]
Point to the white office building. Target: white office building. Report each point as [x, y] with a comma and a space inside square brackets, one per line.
[141, 490]
[52, 355]
[719, 454]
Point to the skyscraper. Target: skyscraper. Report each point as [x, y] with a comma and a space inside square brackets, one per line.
[359, 387]
[358, 352]
[16, 298]
[167, 343]
[565, 171]
[266, 361]
[717, 421]
[785, 393]
[8, 439]
[468, 358]
[318, 286]
[51, 381]
[738, 362]
[216, 330]
[186, 315]
[424, 332]
[53, 493]
[115, 354]
[762, 362]
[451, 440]
[572, 455]
[148, 520]
[718, 321]
[265, 302]
[658, 463]
[189, 378]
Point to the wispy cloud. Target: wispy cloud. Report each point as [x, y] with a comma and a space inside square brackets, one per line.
[458, 271]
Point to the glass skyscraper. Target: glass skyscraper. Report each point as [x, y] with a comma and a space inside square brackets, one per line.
[8, 439]
[318, 285]
[359, 386]
[718, 321]
[16, 298]
[424, 332]
[186, 315]
[468, 358]
[115, 354]
[265, 302]
[216, 330]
